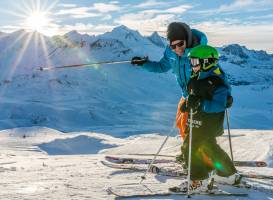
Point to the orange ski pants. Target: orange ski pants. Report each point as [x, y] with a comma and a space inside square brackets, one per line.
[181, 119]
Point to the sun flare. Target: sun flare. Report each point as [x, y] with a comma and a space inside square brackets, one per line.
[37, 21]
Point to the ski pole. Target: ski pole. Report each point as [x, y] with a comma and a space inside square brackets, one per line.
[157, 153]
[229, 136]
[84, 65]
[189, 161]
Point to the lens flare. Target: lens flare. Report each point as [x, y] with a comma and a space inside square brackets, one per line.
[37, 21]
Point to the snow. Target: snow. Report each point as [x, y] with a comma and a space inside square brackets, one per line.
[82, 99]
[56, 126]
[30, 171]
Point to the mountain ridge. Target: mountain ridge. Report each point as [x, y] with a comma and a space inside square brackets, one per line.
[120, 98]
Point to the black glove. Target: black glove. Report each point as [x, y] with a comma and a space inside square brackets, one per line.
[205, 87]
[193, 102]
[139, 61]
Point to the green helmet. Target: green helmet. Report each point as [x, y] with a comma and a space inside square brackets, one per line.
[204, 55]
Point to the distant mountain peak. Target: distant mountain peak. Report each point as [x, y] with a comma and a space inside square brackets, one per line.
[20, 31]
[245, 53]
[122, 28]
[155, 34]
[73, 32]
[3, 33]
[72, 35]
[123, 32]
[156, 39]
[235, 49]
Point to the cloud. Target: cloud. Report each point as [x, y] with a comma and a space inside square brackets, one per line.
[102, 28]
[151, 3]
[96, 10]
[179, 9]
[239, 6]
[114, 2]
[173, 10]
[80, 27]
[146, 23]
[90, 29]
[9, 28]
[80, 12]
[269, 16]
[104, 8]
[257, 36]
[65, 5]
[107, 17]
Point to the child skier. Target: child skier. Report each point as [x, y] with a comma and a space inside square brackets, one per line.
[208, 97]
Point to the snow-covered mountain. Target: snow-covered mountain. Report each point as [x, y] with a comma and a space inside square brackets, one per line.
[158, 40]
[121, 99]
[75, 37]
[247, 66]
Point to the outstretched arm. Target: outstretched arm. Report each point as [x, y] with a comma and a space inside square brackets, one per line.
[161, 66]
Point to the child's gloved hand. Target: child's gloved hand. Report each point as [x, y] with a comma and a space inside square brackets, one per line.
[183, 107]
[193, 102]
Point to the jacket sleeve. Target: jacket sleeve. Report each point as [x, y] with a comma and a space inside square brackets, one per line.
[161, 66]
[204, 88]
[202, 37]
[218, 103]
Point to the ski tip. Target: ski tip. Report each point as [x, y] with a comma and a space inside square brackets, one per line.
[261, 164]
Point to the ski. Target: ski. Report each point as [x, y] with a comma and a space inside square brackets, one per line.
[255, 175]
[127, 160]
[172, 172]
[253, 163]
[121, 160]
[132, 194]
[153, 169]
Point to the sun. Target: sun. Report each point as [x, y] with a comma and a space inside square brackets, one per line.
[37, 21]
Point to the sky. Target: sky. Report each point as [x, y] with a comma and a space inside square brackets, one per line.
[246, 22]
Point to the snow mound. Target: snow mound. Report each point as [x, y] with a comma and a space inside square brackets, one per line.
[81, 144]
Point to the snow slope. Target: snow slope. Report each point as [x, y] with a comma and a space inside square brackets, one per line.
[28, 172]
[55, 156]
[119, 99]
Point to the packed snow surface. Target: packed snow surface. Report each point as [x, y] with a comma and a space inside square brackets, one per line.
[33, 164]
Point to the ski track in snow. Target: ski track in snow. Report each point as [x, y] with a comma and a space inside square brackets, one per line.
[29, 173]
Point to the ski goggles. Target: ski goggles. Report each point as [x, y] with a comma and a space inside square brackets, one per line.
[196, 61]
[179, 44]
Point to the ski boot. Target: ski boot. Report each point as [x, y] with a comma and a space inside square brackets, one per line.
[196, 186]
[234, 179]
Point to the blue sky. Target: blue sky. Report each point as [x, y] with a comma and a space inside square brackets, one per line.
[247, 22]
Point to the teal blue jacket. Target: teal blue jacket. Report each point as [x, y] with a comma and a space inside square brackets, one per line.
[180, 65]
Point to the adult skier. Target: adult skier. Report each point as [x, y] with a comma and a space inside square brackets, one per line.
[209, 96]
[181, 39]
